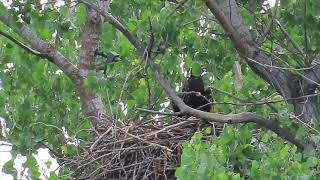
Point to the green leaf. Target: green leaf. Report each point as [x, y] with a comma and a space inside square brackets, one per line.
[226, 137]
[312, 162]
[8, 167]
[189, 62]
[208, 130]
[196, 69]
[53, 176]
[92, 80]
[139, 94]
[284, 151]
[251, 153]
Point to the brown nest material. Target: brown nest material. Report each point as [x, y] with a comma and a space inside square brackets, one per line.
[148, 151]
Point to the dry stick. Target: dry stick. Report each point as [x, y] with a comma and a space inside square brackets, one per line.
[155, 133]
[148, 142]
[176, 8]
[184, 109]
[99, 138]
[158, 112]
[291, 40]
[259, 102]
[141, 123]
[125, 149]
[281, 68]
[284, 68]
[269, 25]
[167, 128]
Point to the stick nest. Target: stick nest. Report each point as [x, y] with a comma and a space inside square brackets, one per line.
[146, 151]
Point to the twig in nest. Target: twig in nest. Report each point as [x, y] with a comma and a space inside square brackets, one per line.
[158, 112]
[99, 139]
[151, 143]
[151, 120]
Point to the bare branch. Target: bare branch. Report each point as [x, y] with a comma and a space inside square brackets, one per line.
[177, 7]
[158, 112]
[269, 25]
[295, 45]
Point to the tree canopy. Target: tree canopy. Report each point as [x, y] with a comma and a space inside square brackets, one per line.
[93, 81]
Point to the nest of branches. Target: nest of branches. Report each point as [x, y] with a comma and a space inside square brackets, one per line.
[147, 151]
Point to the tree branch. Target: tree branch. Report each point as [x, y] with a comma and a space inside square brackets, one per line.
[32, 51]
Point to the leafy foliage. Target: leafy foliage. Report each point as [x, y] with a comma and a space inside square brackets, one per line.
[233, 155]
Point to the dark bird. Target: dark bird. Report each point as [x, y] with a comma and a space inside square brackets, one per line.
[194, 94]
[110, 57]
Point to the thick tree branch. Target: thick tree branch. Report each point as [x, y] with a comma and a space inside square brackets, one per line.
[215, 117]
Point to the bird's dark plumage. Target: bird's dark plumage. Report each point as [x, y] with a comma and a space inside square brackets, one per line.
[198, 99]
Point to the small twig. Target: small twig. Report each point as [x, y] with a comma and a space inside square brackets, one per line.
[109, 102]
[99, 139]
[258, 102]
[148, 142]
[275, 67]
[123, 87]
[151, 120]
[198, 94]
[269, 25]
[228, 94]
[282, 68]
[169, 127]
[151, 40]
[158, 112]
[189, 93]
[49, 125]
[176, 8]
[295, 45]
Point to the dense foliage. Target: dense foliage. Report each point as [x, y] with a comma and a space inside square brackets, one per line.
[40, 105]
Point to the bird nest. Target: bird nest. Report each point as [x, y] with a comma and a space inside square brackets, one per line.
[147, 151]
